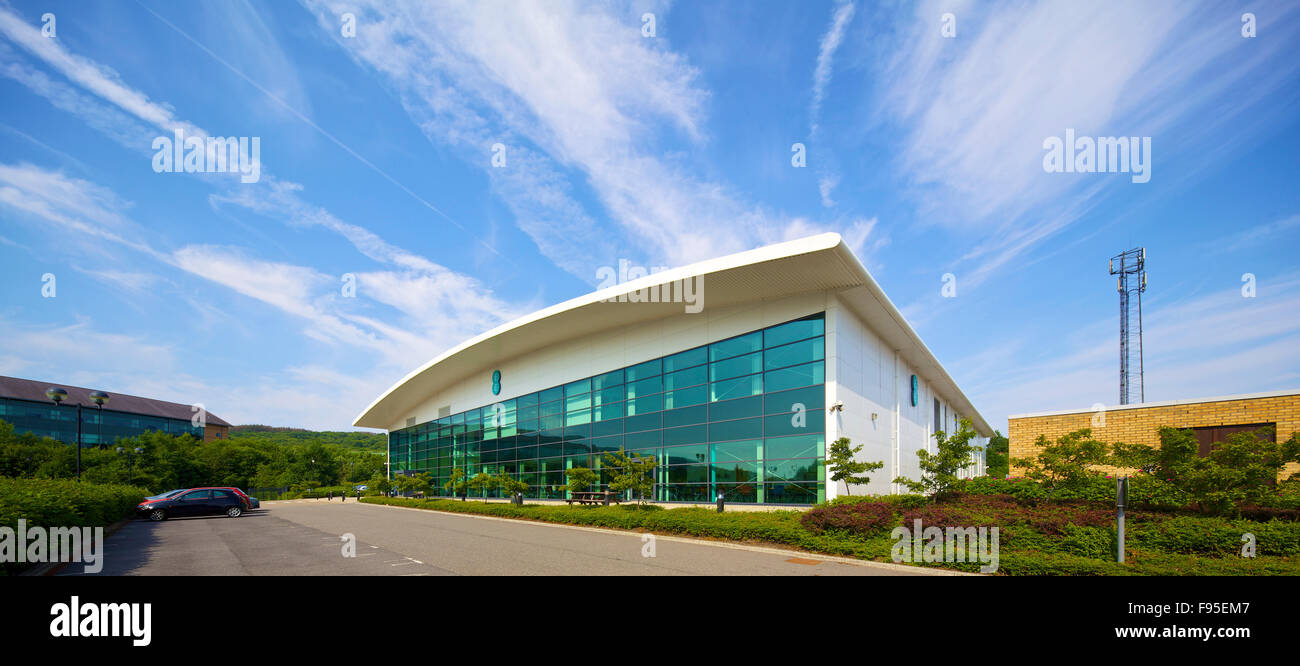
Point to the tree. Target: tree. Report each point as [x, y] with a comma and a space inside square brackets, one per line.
[580, 479]
[997, 459]
[631, 472]
[1067, 463]
[483, 483]
[940, 470]
[1238, 471]
[456, 483]
[510, 486]
[840, 462]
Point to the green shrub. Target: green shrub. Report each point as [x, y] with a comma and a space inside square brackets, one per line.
[63, 503]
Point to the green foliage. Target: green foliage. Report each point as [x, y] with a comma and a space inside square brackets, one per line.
[63, 503]
[1067, 463]
[510, 486]
[631, 472]
[249, 460]
[1241, 470]
[457, 485]
[580, 479]
[940, 470]
[997, 459]
[482, 483]
[840, 462]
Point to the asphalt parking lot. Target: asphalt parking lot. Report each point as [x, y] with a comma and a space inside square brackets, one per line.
[309, 537]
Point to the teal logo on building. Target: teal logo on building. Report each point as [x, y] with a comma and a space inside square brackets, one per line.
[916, 394]
[496, 383]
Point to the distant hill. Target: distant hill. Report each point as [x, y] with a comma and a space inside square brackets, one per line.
[369, 441]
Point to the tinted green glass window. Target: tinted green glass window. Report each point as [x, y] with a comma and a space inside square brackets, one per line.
[650, 403]
[686, 397]
[735, 367]
[811, 421]
[735, 471]
[799, 375]
[795, 330]
[529, 400]
[686, 435]
[608, 411]
[735, 409]
[526, 452]
[736, 388]
[798, 446]
[551, 408]
[645, 387]
[688, 474]
[739, 493]
[793, 354]
[614, 394]
[607, 380]
[643, 370]
[740, 429]
[551, 422]
[607, 443]
[639, 440]
[805, 469]
[744, 344]
[791, 493]
[551, 394]
[686, 359]
[686, 416]
[578, 387]
[575, 402]
[683, 455]
[811, 397]
[643, 422]
[612, 426]
[684, 378]
[742, 450]
[577, 418]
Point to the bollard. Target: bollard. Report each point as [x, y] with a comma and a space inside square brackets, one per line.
[1121, 499]
[721, 502]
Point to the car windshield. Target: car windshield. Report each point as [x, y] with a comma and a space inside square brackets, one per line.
[167, 494]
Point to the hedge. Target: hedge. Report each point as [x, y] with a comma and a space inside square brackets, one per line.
[63, 503]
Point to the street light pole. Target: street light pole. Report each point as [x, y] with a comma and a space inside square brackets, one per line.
[100, 399]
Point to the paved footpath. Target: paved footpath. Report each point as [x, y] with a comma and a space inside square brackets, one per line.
[303, 538]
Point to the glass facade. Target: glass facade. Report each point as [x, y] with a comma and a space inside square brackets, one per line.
[743, 416]
[60, 422]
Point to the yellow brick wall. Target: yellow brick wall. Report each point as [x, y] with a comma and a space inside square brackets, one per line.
[1139, 425]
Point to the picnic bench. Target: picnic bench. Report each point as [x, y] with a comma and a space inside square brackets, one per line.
[602, 498]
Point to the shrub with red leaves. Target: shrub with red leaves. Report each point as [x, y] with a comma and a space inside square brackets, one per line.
[860, 518]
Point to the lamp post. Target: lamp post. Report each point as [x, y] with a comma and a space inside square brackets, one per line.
[100, 399]
[58, 395]
[130, 461]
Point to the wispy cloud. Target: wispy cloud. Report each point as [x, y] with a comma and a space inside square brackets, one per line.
[830, 42]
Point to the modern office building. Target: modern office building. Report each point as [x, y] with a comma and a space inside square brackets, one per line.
[23, 403]
[734, 373]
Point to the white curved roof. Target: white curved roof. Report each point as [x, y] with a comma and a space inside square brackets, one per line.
[816, 263]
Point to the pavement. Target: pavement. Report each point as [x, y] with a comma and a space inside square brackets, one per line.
[309, 538]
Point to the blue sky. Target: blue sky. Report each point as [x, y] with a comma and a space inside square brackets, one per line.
[924, 151]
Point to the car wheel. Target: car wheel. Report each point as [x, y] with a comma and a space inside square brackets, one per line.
[157, 514]
[234, 512]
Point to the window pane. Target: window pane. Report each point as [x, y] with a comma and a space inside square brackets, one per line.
[694, 395]
[579, 417]
[691, 377]
[736, 388]
[741, 429]
[805, 469]
[613, 394]
[685, 435]
[743, 450]
[736, 346]
[686, 416]
[800, 375]
[735, 367]
[551, 394]
[798, 446]
[607, 380]
[735, 409]
[683, 455]
[793, 354]
[686, 359]
[638, 422]
[651, 403]
[810, 421]
[645, 387]
[811, 397]
[581, 401]
[795, 330]
[643, 370]
[575, 388]
[609, 411]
